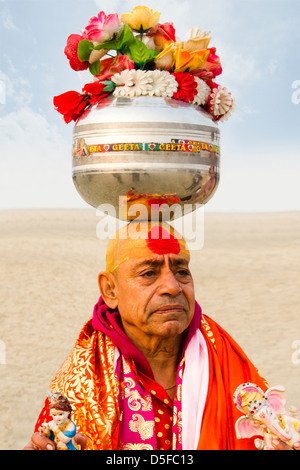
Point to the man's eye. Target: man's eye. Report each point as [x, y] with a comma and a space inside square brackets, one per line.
[148, 274]
[183, 272]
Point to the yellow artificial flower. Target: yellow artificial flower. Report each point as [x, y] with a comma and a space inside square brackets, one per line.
[197, 40]
[141, 18]
[185, 60]
[165, 60]
[199, 59]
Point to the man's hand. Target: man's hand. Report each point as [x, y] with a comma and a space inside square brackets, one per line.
[280, 445]
[40, 442]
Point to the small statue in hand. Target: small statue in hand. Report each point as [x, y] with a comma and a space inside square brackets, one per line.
[61, 429]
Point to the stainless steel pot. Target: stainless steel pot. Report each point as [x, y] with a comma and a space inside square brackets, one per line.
[150, 151]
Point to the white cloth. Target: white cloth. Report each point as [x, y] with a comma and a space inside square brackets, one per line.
[194, 390]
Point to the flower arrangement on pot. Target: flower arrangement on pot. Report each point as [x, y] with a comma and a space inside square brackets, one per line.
[135, 55]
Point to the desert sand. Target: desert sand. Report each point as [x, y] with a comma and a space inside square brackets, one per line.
[247, 277]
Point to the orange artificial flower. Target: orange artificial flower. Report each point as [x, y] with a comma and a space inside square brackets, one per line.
[185, 60]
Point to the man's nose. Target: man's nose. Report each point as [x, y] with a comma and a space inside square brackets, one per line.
[169, 284]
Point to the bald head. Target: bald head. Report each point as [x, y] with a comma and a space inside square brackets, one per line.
[143, 240]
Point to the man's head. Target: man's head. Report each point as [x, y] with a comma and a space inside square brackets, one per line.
[148, 279]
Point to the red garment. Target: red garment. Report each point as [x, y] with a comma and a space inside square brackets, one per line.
[228, 368]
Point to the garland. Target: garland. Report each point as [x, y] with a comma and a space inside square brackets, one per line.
[144, 58]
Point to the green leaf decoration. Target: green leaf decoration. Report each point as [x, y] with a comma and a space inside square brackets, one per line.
[95, 68]
[110, 86]
[118, 44]
[84, 50]
[139, 53]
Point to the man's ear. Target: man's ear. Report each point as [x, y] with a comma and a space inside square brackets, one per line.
[107, 286]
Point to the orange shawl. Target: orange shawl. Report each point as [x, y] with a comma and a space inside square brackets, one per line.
[87, 379]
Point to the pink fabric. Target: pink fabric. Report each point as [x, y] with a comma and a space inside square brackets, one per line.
[109, 322]
[137, 426]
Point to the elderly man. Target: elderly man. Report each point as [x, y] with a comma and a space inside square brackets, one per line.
[149, 370]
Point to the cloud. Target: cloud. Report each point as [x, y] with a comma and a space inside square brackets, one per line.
[6, 20]
[35, 164]
[18, 90]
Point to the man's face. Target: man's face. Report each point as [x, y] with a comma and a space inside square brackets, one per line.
[155, 296]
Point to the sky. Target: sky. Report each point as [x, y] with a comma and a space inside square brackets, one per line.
[258, 44]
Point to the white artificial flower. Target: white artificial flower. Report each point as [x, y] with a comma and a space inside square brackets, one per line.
[226, 116]
[124, 81]
[172, 84]
[131, 83]
[203, 92]
[162, 84]
[221, 101]
[196, 33]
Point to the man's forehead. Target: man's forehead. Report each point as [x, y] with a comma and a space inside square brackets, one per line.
[159, 260]
[152, 242]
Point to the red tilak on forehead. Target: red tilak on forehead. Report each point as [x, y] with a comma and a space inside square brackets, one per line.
[161, 242]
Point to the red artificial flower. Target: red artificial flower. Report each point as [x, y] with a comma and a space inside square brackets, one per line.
[187, 87]
[112, 65]
[162, 33]
[202, 74]
[213, 63]
[123, 62]
[95, 91]
[71, 105]
[71, 52]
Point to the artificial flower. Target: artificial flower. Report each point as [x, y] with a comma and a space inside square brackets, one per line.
[220, 101]
[162, 34]
[197, 40]
[202, 74]
[187, 87]
[150, 63]
[203, 92]
[213, 63]
[185, 60]
[165, 60]
[122, 62]
[96, 91]
[97, 55]
[131, 83]
[162, 84]
[102, 28]
[141, 18]
[71, 53]
[112, 65]
[71, 105]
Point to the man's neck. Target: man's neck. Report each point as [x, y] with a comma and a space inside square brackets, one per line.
[163, 355]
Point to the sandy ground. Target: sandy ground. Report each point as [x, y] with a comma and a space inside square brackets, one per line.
[247, 277]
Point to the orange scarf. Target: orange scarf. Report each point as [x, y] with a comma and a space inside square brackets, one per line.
[87, 378]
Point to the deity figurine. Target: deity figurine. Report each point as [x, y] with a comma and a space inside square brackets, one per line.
[61, 430]
[265, 416]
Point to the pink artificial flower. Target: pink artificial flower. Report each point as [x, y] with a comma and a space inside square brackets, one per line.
[102, 28]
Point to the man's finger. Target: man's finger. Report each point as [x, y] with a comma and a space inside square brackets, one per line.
[280, 445]
[81, 440]
[42, 442]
